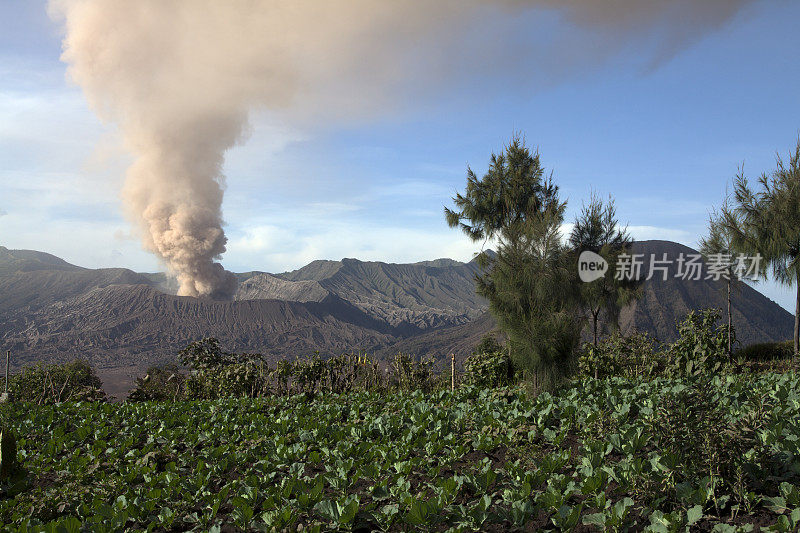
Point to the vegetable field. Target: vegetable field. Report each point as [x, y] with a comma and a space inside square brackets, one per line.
[662, 455]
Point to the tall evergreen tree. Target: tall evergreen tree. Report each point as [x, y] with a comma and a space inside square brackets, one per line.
[766, 221]
[719, 245]
[597, 230]
[530, 284]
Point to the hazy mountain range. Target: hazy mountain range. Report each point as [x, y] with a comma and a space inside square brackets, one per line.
[123, 321]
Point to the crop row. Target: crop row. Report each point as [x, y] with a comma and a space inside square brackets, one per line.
[604, 454]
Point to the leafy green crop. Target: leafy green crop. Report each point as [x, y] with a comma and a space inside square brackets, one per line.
[610, 454]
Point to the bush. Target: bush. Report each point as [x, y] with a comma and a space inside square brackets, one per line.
[492, 369]
[248, 379]
[618, 355]
[53, 383]
[691, 428]
[489, 365]
[160, 383]
[410, 374]
[219, 374]
[702, 345]
[701, 348]
[204, 354]
[766, 351]
[488, 344]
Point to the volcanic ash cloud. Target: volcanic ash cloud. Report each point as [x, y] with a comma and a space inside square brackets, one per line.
[179, 76]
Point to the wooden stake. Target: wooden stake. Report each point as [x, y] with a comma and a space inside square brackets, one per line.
[8, 356]
[452, 372]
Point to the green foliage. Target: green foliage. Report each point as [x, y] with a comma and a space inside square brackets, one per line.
[702, 345]
[49, 383]
[532, 296]
[692, 427]
[530, 283]
[489, 369]
[488, 344]
[614, 454]
[766, 351]
[596, 229]
[218, 374]
[701, 349]
[204, 354]
[719, 246]
[513, 191]
[246, 379]
[410, 374]
[618, 355]
[8, 452]
[160, 383]
[489, 365]
[766, 221]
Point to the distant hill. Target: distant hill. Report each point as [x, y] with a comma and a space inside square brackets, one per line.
[755, 317]
[409, 296]
[122, 321]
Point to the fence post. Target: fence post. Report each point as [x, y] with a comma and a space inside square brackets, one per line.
[452, 372]
[6, 397]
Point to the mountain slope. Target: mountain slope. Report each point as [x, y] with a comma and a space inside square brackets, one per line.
[756, 318]
[123, 322]
[263, 286]
[30, 280]
[413, 296]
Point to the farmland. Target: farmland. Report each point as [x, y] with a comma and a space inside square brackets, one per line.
[609, 454]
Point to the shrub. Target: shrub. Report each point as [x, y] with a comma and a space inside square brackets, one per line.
[219, 374]
[53, 383]
[339, 374]
[160, 383]
[691, 428]
[246, 375]
[205, 353]
[618, 355]
[701, 348]
[488, 369]
[766, 351]
[702, 345]
[488, 344]
[410, 374]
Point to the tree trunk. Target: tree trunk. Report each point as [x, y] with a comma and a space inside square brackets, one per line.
[594, 328]
[730, 323]
[797, 319]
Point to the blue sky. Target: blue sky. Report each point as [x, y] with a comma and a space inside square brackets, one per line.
[663, 135]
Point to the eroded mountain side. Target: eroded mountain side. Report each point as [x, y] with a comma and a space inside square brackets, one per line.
[122, 321]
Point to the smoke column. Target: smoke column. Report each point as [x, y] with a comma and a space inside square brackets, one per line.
[179, 77]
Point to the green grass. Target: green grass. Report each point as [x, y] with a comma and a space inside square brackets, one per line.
[602, 455]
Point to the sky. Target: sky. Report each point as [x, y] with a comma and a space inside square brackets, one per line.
[663, 132]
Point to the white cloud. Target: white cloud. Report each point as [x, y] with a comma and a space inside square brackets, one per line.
[87, 243]
[276, 249]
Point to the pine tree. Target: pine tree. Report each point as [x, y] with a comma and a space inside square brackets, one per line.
[597, 230]
[766, 221]
[530, 282]
[719, 244]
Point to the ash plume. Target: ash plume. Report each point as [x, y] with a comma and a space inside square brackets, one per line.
[179, 78]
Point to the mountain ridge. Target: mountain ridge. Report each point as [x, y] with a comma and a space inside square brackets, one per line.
[123, 321]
